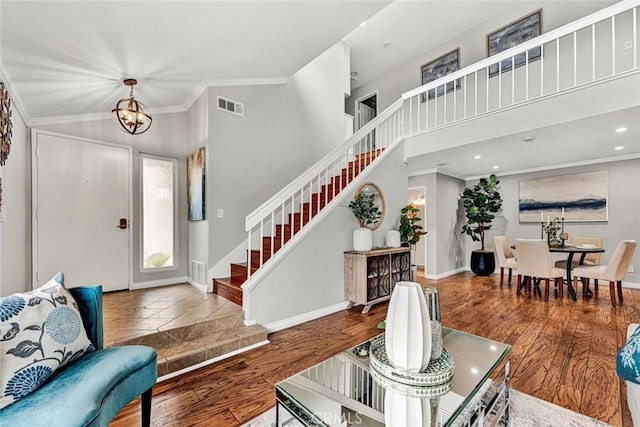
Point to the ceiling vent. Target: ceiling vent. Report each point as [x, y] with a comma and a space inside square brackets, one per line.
[230, 106]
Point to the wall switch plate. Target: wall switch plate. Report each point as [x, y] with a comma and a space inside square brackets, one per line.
[220, 213]
[628, 45]
[632, 269]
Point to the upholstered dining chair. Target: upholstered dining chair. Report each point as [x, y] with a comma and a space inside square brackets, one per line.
[505, 257]
[534, 262]
[613, 272]
[589, 259]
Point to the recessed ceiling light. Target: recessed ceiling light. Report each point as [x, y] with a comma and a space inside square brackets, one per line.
[477, 157]
[496, 167]
[528, 138]
[619, 147]
[386, 44]
[621, 129]
[363, 23]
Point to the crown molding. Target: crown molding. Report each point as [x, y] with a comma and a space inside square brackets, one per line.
[203, 85]
[200, 88]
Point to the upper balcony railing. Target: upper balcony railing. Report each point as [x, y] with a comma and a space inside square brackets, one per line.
[597, 47]
[601, 46]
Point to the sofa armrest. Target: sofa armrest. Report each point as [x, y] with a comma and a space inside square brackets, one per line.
[89, 299]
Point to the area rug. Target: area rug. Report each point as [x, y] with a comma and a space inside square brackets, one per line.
[526, 411]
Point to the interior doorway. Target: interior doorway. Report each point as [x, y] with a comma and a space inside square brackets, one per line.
[366, 109]
[417, 196]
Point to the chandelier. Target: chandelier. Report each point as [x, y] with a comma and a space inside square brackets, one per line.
[132, 116]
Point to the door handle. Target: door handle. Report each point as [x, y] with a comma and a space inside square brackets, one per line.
[123, 224]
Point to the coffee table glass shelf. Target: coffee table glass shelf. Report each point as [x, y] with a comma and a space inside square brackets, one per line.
[346, 390]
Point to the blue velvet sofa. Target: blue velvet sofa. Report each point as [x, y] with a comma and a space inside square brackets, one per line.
[94, 388]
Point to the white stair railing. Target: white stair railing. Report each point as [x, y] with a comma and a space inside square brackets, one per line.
[600, 46]
[579, 54]
[275, 223]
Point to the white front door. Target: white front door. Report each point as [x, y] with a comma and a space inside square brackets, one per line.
[81, 193]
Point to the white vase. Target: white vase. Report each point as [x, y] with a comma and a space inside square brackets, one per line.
[408, 328]
[401, 410]
[362, 239]
[392, 239]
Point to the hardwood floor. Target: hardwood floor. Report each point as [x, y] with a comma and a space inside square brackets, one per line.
[562, 352]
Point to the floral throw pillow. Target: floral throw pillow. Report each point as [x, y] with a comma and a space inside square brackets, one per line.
[40, 331]
[628, 359]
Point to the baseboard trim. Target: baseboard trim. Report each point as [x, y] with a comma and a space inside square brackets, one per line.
[158, 283]
[305, 317]
[445, 274]
[211, 361]
[631, 285]
[203, 288]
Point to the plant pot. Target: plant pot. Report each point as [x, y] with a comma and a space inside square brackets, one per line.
[362, 239]
[393, 239]
[483, 263]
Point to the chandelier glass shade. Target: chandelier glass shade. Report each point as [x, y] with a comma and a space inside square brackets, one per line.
[131, 115]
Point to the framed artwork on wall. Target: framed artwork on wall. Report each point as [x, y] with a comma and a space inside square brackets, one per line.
[440, 67]
[583, 197]
[196, 184]
[511, 35]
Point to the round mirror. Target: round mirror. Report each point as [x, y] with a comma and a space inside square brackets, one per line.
[368, 189]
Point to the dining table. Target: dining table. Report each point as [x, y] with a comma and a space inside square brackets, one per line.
[571, 251]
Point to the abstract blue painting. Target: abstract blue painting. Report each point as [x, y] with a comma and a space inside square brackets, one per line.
[583, 197]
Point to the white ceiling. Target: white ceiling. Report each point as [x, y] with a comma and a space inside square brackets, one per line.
[577, 142]
[70, 57]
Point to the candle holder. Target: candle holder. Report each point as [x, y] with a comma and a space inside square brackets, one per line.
[563, 236]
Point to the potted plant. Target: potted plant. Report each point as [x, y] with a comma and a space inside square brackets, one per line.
[481, 202]
[367, 213]
[410, 232]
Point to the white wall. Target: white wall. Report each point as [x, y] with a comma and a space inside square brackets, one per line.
[15, 230]
[198, 131]
[285, 129]
[166, 137]
[311, 277]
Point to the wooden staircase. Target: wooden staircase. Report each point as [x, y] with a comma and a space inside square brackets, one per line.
[231, 287]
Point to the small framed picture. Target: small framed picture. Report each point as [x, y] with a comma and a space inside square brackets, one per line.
[440, 67]
[511, 35]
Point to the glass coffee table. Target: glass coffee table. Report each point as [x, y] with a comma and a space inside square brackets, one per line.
[345, 390]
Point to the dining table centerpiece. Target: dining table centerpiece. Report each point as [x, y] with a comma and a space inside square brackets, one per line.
[552, 228]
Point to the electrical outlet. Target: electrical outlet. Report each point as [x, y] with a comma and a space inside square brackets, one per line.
[632, 269]
[628, 45]
[220, 213]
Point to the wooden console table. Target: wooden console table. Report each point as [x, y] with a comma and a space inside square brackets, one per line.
[369, 277]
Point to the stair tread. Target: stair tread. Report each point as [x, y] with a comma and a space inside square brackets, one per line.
[227, 282]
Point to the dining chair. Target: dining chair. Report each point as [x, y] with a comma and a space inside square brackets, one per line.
[534, 261]
[505, 257]
[613, 272]
[589, 259]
